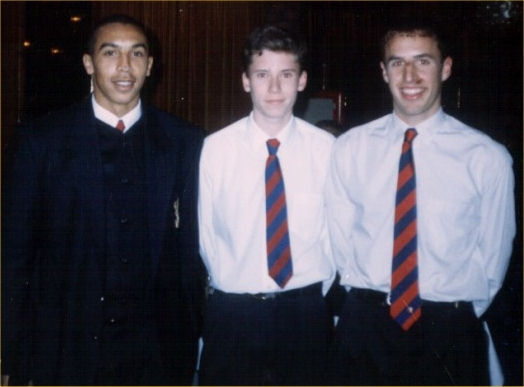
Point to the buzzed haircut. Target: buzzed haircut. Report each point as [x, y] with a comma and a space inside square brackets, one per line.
[117, 18]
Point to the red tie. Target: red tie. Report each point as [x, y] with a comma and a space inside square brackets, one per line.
[278, 247]
[405, 299]
[120, 125]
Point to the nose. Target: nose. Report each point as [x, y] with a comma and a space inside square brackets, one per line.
[274, 85]
[410, 72]
[123, 63]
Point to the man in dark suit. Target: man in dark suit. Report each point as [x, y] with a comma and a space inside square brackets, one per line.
[101, 280]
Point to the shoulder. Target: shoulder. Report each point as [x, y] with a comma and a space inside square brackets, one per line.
[54, 127]
[320, 136]
[176, 128]
[480, 143]
[227, 135]
[360, 133]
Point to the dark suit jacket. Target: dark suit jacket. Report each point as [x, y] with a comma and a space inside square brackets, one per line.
[53, 242]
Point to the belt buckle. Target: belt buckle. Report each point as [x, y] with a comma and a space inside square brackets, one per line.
[388, 299]
[264, 296]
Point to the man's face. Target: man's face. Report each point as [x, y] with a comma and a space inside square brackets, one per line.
[414, 71]
[119, 65]
[273, 80]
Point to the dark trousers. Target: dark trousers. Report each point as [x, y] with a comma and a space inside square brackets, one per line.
[281, 340]
[446, 346]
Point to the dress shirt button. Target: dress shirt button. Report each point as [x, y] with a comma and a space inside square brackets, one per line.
[124, 260]
[95, 338]
[102, 299]
[112, 320]
[124, 220]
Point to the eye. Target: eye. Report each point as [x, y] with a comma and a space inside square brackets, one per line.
[424, 61]
[260, 75]
[396, 63]
[109, 52]
[287, 74]
[139, 53]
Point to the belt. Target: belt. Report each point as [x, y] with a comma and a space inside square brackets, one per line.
[381, 298]
[310, 290]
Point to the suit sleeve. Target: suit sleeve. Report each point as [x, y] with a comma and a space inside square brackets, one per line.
[181, 274]
[20, 217]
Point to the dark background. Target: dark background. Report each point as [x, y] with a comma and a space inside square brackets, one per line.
[196, 75]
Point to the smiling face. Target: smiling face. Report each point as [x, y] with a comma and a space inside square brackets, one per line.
[119, 65]
[414, 71]
[273, 80]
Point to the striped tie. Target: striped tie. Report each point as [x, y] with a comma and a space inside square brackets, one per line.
[277, 237]
[405, 299]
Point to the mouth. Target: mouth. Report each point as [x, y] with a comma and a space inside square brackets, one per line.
[124, 84]
[412, 93]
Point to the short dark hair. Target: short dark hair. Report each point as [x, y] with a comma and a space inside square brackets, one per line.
[417, 27]
[274, 38]
[117, 18]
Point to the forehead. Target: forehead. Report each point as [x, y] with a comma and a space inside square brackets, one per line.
[267, 59]
[119, 32]
[404, 45]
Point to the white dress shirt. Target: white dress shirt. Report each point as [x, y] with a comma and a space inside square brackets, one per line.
[232, 206]
[129, 119]
[465, 208]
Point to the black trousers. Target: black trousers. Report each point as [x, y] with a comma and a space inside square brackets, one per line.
[446, 346]
[255, 340]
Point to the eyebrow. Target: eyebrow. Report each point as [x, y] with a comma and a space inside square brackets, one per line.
[114, 45]
[420, 56]
[267, 70]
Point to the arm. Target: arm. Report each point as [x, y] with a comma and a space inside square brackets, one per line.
[340, 210]
[20, 197]
[181, 274]
[497, 225]
[205, 207]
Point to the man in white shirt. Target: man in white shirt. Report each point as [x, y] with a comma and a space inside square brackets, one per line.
[453, 227]
[266, 323]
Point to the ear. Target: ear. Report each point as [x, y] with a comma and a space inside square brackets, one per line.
[384, 72]
[446, 68]
[302, 81]
[246, 83]
[88, 64]
[149, 65]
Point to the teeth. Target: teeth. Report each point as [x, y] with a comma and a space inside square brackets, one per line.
[412, 91]
[124, 83]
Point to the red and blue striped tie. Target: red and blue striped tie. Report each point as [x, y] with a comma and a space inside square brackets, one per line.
[404, 297]
[277, 236]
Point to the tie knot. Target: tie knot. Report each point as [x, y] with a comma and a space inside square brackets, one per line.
[120, 125]
[410, 135]
[272, 146]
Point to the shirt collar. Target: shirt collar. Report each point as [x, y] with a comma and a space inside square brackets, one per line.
[425, 128]
[258, 138]
[111, 119]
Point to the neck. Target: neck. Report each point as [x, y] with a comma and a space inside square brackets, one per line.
[271, 126]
